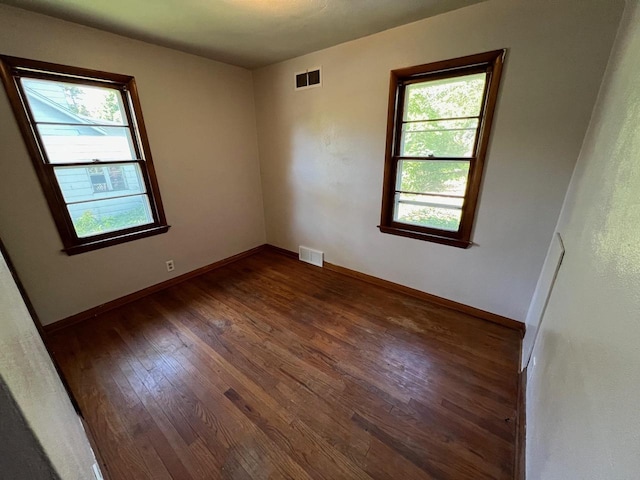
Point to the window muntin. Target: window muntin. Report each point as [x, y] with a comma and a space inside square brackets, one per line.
[439, 138]
[86, 136]
[438, 130]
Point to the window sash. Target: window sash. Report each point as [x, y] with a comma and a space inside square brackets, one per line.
[50, 167]
[399, 120]
[128, 123]
[446, 202]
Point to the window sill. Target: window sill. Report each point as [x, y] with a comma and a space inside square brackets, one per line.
[428, 237]
[107, 242]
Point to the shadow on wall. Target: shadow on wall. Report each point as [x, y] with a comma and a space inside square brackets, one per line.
[21, 455]
[315, 161]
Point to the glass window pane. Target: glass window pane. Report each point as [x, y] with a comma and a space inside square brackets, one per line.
[424, 176]
[444, 138]
[102, 216]
[80, 143]
[428, 211]
[79, 184]
[62, 102]
[445, 98]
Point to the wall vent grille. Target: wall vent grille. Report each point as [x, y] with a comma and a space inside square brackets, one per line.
[310, 78]
[309, 255]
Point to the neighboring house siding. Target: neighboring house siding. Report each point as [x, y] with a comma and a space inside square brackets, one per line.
[77, 186]
[84, 148]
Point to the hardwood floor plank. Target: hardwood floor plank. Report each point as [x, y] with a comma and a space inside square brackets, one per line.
[108, 414]
[219, 416]
[495, 408]
[140, 425]
[339, 317]
[178, 456]
[501, 414]
[420, 459]
[320, 460]
[270, 368]
[375, 458]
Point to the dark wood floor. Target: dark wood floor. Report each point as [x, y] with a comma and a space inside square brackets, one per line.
[270, 368]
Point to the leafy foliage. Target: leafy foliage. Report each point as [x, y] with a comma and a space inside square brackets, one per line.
[74, 100]
[110, 108]
[430, 217]
[422, 176]
[91, 224]
[105, 108]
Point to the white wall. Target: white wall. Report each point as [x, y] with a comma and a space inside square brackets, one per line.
[200, 119]
[322, 150]
[583, 416]
[33, 382]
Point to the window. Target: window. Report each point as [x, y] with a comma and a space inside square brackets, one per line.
[437, 136]
[85, 134]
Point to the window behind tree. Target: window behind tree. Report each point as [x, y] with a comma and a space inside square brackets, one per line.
[86, 136]
[437, 136]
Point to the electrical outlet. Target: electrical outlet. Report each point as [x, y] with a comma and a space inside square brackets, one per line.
[170, 266]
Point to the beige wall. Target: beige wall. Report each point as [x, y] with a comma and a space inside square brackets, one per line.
[33, 382]
[583, 419]
[322, 150]
[201, 125]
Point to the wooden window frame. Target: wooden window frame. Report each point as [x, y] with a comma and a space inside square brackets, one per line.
[11, 70]
[489, 62]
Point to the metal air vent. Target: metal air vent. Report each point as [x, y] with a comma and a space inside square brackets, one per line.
[308, 79]
[309, 255]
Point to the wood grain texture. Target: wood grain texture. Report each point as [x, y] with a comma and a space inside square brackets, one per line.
[271, 368]
[460, 307]
[132, 297]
